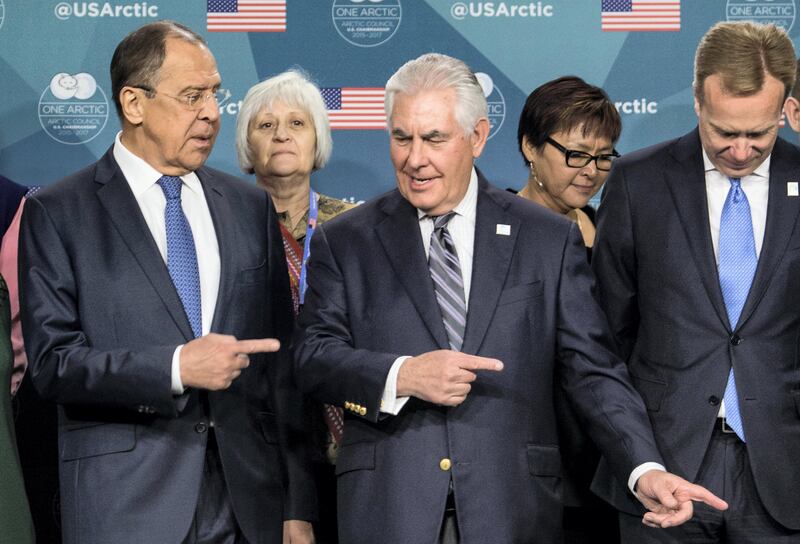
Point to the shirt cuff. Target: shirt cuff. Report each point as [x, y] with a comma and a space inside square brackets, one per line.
[639, 471]
[390, 402]
[177, 384]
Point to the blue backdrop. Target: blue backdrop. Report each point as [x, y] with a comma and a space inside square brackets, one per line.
[58, 116]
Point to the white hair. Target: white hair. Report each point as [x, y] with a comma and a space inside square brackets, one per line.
[434, 71]
[293, 88]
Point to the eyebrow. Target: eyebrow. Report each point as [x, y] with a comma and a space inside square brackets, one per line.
[756, 132]
[190, 88]
[435, 133]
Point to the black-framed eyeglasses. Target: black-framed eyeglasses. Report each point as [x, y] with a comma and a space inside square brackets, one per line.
[193, 101]
[579, 159]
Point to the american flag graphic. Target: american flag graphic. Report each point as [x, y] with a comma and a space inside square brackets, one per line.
[641, 15]
[355, 107]
[246, 16]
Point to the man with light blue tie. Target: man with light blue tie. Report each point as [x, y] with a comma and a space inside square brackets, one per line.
[155, 301]
[697, 260]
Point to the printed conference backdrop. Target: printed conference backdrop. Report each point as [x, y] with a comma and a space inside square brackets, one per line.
[57, 114]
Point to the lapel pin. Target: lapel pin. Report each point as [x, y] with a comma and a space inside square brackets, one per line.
[505, 230]
[792, 189]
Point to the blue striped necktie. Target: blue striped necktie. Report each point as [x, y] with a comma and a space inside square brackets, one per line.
[447, 281]
[181, 254]
[737, 267]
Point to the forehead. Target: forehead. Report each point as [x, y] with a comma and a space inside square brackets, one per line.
[278, 106]
[577, 139]
[743, 112]
[190, 64]
[425, 111]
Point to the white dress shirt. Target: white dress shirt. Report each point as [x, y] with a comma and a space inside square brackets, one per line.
[143, 179]
[755, 187]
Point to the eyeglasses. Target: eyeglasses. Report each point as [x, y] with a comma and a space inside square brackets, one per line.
[579, 159]
[193, 101]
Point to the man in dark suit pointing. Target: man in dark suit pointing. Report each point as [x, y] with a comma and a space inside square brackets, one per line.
[698, 268]
[436, 315]
[155, 301]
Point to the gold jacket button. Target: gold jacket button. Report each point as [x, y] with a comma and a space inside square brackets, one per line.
[362, 411]
[347, 405]
[445, 464]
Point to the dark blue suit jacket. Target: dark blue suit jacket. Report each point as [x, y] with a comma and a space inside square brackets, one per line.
[371, 299]
[102, 319]
[657, 279]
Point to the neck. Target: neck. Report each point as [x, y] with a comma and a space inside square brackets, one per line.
[136, 143]
[288, 194]
[534, 192]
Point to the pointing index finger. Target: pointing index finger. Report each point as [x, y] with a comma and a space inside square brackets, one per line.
[473, 362]
[258, 345]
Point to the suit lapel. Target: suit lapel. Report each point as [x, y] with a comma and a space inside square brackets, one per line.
[116, 197]
[686, 181]
[490, 261]
[221, 215]
[782, 212]
[399, 234]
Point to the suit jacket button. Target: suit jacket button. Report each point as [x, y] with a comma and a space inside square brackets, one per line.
[200, 427]
[445, 464]
[362, 411]
[713, 400]
[735, 340]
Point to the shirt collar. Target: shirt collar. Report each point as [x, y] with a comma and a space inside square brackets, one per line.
[762, 171]
[468, 205]
[140, 175]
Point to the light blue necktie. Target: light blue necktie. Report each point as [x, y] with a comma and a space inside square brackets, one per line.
[181, 254]
[737, 266]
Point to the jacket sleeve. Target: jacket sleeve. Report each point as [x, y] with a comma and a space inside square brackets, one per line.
[614, 263]
[328, 365]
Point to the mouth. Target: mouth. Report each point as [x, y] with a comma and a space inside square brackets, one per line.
[203, 140]
[421, 182]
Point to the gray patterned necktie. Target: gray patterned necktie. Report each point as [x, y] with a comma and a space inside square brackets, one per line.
[447, 281]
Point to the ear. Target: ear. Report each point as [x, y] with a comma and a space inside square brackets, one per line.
[792, 109]
[479, 136]
[527, 149]
[132, 101]
[696, 106]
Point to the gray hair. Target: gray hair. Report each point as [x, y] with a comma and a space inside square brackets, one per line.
[293, 88]
[434, 71]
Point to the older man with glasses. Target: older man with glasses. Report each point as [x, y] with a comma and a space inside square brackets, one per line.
[152, 284]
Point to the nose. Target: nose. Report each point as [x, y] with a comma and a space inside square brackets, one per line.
[741, 150]
[280, 134]
[417, 158]
[590, 170]
[210, 110]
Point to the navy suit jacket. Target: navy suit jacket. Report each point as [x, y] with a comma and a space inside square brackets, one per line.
[657, 279]
[102, 319]
[370, 299]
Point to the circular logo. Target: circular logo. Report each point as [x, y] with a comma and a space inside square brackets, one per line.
[366, 23]
[73, 109]
[495, 102]
[779, 12]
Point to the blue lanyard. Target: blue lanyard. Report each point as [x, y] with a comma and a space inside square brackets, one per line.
[312, 224]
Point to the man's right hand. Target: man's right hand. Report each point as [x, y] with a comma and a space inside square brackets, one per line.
[442, 377]
[213, 361]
